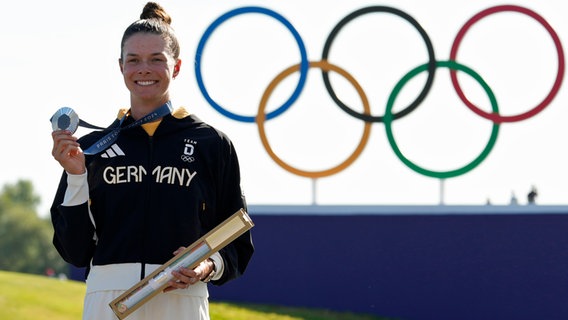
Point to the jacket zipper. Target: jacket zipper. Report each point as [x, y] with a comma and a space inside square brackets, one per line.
[148, 200]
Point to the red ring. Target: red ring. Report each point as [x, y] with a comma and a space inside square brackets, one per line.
[495, 117]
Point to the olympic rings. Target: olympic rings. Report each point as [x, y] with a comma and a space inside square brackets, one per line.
[223, 18]
[431, 62]
[324, 65]
[495, 117]
[389, 117]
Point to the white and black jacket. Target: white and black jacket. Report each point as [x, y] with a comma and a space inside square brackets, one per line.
[145, 196]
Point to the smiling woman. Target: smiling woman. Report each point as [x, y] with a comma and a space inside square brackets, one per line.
[152, 183]
[148, 66]
[149, 60]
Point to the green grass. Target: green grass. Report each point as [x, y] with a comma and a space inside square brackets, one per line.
[28, 297]
[33, 297]
[230, 311]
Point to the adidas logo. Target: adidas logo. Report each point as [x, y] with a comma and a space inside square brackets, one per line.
[113, 151]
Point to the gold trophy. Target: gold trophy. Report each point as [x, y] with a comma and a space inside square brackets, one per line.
[190, 257]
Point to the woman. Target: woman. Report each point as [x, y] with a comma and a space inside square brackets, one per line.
[124, 206]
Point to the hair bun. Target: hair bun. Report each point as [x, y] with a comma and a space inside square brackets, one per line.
[153, 10]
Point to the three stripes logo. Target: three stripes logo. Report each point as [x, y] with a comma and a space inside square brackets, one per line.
[113, 151]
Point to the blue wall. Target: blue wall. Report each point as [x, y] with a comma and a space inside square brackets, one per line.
[477, 263]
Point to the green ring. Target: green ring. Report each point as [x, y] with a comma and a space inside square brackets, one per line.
[388, 117]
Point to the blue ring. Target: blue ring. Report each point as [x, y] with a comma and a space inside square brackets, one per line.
[304, 65]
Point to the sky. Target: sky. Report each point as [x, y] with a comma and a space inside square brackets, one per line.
[65, 54]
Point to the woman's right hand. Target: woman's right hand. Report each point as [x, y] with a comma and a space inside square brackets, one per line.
[67, 151]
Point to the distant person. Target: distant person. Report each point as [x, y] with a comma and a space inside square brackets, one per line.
[531, 197]
[126, 209]
[514, 200]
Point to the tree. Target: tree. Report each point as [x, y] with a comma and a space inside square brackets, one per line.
[21, 193]
[25, 238]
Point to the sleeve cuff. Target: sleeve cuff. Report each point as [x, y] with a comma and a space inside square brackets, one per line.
[77, 191]
[219, 265]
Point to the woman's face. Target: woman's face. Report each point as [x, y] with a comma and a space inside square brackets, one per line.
[148, 68]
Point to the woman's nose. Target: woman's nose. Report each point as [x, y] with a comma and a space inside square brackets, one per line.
[143, 68]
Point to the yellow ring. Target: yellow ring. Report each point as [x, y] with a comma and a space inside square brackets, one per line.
[261, 117]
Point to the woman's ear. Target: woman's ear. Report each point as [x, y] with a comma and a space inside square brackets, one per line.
[177, 68]
[120, 65]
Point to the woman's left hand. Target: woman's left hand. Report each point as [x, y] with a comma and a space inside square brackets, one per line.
[185, 277]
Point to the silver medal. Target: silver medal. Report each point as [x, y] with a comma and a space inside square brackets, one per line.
[65, 119]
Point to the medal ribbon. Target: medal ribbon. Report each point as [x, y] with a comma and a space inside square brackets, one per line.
[111, 137]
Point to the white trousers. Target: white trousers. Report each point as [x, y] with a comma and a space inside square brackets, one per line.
[106, 283]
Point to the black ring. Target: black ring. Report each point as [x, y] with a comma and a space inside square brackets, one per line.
[431, 62]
